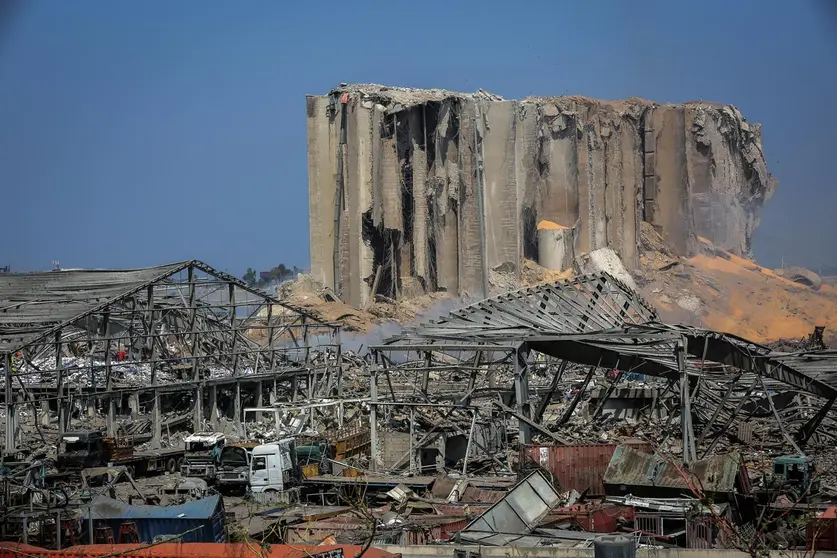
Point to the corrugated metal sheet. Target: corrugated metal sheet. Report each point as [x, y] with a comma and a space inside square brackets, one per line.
[33, 303]
[472, 495]
[519, 512]
[419, 530]
[643, 474]
[581, 466]
[107, 508]
[201, 520]
[188, 550]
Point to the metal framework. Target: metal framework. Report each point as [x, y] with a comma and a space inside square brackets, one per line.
[719, 382]
[113, 338]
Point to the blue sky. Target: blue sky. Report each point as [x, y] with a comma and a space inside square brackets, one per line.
[138, 133]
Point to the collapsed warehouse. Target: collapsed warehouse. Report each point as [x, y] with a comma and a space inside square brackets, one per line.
[133, 340]
[541, 381]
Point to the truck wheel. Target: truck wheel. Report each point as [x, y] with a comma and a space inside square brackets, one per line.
[179, 464]
[171, 465]
[132, 471]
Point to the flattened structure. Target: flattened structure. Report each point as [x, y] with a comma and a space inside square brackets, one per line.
[34, 304]
[589, 303]
[596, 321]
[100, 335]
[641, 474]
[31, 304]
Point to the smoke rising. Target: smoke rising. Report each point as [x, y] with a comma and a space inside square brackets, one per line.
[360, 342]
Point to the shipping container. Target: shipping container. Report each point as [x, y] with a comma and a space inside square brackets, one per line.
[822, 531]
[191, 550]
[578, 467]
[198, 521]
[593, 518]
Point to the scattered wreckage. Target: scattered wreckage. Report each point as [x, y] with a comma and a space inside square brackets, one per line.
[573, 395]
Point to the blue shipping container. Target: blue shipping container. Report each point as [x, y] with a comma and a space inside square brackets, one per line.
[201, 520]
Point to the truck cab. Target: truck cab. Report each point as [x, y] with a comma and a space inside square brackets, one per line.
[274, 467]
[234, 466]
[81, 450]
[795, 473]
[203, 450]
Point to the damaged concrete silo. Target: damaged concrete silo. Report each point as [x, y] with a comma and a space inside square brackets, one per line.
[413, 191]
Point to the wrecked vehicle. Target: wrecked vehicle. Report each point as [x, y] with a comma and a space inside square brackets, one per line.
[178, 491]
[794, 476]
[234, 466]
[80, 450]
[203, 451]
[315, 458]
[89, 449]
[274, 467]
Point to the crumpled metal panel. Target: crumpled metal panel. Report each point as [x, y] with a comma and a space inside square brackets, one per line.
[519, 512]
[33, 303]
[579, 466]
[588, 303]
[631, 468]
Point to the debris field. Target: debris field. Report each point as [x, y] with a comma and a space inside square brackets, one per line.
[576, 376]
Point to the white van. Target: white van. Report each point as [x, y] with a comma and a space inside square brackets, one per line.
[273, 467]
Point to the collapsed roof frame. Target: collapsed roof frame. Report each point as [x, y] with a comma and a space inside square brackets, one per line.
[101, 334]
[597, 321]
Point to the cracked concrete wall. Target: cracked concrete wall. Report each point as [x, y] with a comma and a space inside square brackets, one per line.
[323, 137]
[442, 187]
[502, 211]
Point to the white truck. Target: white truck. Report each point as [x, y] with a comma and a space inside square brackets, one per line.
[203, 450]
[274, 467]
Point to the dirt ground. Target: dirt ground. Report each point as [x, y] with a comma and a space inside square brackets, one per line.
[724, 292]
[714, 289]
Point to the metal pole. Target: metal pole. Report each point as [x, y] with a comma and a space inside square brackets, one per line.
[339, 363]
[153, 346]
[521, 392]
[156, 421]
[233, 328]
[412, 436]
[305, 340]
[373, 418]
[10, 423]
[111, 420]
[470, 438]
[62, 422]
[689, 450]
[237, 403]
[779, 422]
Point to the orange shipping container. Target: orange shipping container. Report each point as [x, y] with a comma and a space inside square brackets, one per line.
[580, 466]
